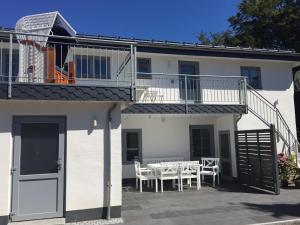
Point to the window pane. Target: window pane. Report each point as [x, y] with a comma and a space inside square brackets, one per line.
[97, 67]
[15, 64]
[83, 66]
[253, 76]
[105, 67]
[39, 148]
[132, 155]
[131, 148]
[78, 65]
[132, 140]
[144, 66]
[225, 151]
[91, 67]
[205, 142]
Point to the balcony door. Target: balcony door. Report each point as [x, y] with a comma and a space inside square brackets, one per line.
[189, 87]
[202, 141]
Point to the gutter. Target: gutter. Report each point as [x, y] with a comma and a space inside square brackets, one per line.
[108, 192]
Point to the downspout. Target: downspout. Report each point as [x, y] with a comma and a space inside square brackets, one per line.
[237, 119]
[108, 192]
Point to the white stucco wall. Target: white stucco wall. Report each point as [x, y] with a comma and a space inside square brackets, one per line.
[276, 78]
[168, 135]
[86, 151]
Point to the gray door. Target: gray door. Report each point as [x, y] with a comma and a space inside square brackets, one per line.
[202, 141]
[225, 149]
[38, 167]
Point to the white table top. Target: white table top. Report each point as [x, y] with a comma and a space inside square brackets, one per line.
[164, 164]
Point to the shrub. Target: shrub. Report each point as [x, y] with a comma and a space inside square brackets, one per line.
[287, 167]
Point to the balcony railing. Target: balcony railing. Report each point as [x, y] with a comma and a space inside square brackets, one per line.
[190, 89]
[49, 59]
[32, 58]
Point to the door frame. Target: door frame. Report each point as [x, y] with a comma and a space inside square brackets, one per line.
[197, 66]
[221, 159]
[16, 135]
[212, 138]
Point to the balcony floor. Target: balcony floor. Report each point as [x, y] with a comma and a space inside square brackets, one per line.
[148, 108]
[227, 204]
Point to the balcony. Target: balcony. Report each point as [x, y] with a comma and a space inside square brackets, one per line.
[190, 89]
[93, 63]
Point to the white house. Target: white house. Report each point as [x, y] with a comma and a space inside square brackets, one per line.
[77, 110]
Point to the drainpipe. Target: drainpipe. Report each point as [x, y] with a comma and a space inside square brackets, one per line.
[237, 120]
[108, 192]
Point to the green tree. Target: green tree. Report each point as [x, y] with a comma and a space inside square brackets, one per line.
[262, 24]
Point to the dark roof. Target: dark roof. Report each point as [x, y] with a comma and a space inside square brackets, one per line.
[36, 91]
[181, 109]
[185, 48]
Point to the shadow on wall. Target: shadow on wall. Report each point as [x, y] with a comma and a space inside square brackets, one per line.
[277, 83]
[277, 210]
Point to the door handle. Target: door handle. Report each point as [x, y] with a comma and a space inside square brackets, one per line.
[59, 164]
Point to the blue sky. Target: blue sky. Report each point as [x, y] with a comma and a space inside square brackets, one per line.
[178, 20]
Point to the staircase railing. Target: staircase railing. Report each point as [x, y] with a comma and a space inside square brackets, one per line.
[270, 114]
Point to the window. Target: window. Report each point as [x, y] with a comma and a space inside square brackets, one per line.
[143, 68]
[253, 76]
[4, 64]
[92, 67]
[132, 146]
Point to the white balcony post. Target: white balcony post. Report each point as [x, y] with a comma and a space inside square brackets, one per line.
[245, 94]
[10, 66]
[185, 93]
[132, 58]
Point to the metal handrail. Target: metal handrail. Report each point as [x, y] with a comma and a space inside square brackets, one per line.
[285, 127]
[190, 75]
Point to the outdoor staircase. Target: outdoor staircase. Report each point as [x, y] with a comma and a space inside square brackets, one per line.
[270, 114]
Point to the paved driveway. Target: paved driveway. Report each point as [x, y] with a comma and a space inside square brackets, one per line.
[229, 204]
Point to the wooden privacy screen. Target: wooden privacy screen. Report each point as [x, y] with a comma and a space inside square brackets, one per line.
[257, 159]
[54, 75]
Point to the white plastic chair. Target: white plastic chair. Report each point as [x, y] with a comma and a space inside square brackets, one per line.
[143, 174]
[168, 172]
[210, 167]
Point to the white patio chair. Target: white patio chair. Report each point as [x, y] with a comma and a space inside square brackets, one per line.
[168, 172]
[210, 167]
[190, 171]
[143, 174]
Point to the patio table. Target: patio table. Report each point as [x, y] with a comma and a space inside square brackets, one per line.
[156, 166]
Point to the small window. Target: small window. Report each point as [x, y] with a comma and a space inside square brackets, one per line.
[131, 141]
[92, 67]
[143, 68]
[253, 76]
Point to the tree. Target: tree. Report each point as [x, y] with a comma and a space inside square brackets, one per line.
[262, 24]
